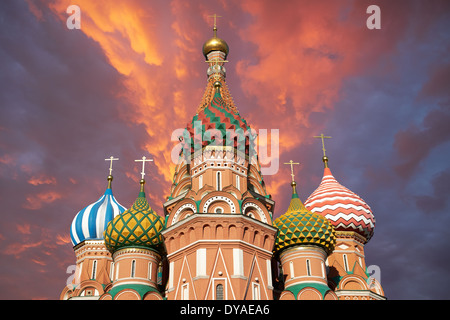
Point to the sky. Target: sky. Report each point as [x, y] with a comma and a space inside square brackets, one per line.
[134, 73]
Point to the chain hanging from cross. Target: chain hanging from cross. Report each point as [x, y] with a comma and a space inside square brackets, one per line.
[143, 160]
[291, 163]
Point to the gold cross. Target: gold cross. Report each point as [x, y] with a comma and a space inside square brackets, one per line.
[215, 16]
[111, 159]
[143, 160]
[292, 168]
[323, 144]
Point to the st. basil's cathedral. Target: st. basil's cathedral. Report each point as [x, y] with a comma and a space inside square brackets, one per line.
[217, 238]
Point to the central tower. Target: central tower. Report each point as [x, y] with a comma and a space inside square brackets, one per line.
[219, 235]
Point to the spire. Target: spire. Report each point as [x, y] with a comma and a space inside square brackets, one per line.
[324, 158]
[215, 51]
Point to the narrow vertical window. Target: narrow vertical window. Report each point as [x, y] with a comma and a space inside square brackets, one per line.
[111, 273]
[149, 271]
[291, 269]
[219, 181]
[185, 292]
[345, 262]
[133, 268]
[78, 277]
[201, 262]
[116, 267]
[269, 273]
[308, 267]
[238, 182]
[256, 292]
[94, 269]
[171, 274]
[323, 269]
[219, 292]
[200, 181]
[238, 262]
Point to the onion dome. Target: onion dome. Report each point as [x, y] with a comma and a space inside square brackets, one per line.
[139, 226]
[299, 226]
[345, 209]
[219, 125]
[90, 222]
[215, 44]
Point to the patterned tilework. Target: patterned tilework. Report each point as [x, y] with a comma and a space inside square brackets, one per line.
[220, 125]
[345, 209]
[138, 226]
[301, 226]
[91, 221]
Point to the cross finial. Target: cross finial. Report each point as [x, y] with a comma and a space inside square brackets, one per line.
[291, 163]
[111, 159]
[323, 143]
[325, 159]
[143, 160]
[215, 16]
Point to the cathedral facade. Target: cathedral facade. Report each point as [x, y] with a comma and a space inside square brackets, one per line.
[217, 238]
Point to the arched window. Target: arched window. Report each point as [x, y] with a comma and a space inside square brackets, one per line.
[219, 292]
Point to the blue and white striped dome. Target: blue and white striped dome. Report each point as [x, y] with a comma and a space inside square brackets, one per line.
[91, 221]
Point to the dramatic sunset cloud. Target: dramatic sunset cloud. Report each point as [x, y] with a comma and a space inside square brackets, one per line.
[135, 72]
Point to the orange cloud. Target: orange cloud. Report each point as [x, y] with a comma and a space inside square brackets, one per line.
[62, 239]
[305, 50]
[17, 248]
[41, 179]
[39, 262]
[36, 201]
[24, 228]
[132, 36]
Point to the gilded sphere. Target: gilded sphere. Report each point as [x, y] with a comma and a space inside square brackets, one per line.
[215, 44]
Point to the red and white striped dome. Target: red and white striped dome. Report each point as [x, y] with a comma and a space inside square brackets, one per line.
[345, 209]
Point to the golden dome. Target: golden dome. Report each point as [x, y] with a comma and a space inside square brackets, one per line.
[215, 44]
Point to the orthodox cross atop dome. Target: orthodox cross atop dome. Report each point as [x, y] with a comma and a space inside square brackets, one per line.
[324, 158]
[143, 160]
[215, 16]
[291, 163]
[111, 159]
[293, 184]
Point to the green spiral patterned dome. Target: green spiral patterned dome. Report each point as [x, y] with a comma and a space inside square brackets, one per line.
[301, 226]
[139, 226]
